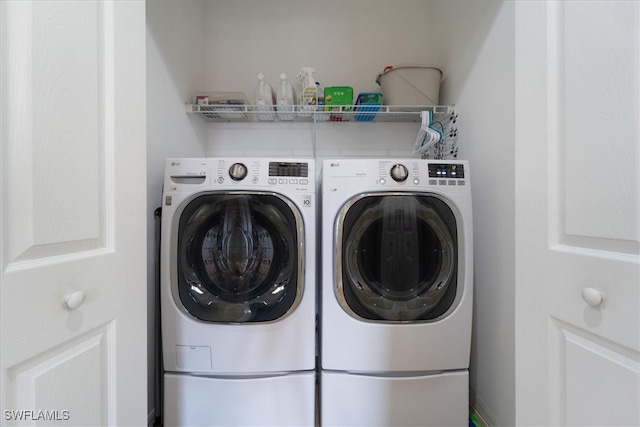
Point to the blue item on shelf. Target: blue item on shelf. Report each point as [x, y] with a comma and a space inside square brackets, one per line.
[367, 105]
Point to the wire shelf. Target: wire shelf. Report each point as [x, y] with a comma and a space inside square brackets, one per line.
[345, 113]
[444, 117]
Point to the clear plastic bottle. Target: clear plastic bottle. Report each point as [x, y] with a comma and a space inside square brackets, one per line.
[321, 116]
[264, 100]
[307, 91]
[285, 99]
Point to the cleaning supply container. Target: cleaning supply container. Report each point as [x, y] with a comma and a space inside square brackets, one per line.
[410, 85]
[264, 100]
[285, 99]
[367, 105]
[338, 99]
[307, 91]
[320, 116]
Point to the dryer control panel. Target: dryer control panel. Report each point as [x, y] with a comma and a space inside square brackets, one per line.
[446, 170]
[348, 175]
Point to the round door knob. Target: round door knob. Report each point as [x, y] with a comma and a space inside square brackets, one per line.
[399, 172]
[237, 171]
[593, 297]
[73, 300]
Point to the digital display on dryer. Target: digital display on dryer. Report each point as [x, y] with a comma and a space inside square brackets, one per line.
[288, 169]
[452, 170]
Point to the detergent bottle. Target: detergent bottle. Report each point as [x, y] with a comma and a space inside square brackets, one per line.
[285, 99]
[264, 100]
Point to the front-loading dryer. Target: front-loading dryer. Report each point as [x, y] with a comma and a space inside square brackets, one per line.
[238, 291]
[396, 292]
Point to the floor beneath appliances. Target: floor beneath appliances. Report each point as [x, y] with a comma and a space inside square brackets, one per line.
[473, 421]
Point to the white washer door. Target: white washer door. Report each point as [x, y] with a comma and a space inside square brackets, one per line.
[239, 257]
[397, 257]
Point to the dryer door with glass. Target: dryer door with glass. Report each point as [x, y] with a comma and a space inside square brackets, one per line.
[239, 257]
[397, 257]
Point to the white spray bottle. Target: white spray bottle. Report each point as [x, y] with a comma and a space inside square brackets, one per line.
[307, 91]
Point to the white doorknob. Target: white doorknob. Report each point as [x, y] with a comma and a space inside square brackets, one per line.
[73, 300]
[593, 297]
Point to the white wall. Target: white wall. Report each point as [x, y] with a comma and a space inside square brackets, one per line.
[223, 45]
[348, 43]
[479, 61]
[175, 42]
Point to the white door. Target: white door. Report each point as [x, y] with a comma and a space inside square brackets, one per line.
[72, 219]
[578, 213]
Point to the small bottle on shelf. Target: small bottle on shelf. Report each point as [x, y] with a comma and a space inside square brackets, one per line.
[321, 116]
[285, 99]
[264, 100]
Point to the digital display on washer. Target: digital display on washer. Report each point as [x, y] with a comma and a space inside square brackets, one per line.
[439, 170]
[288, 169]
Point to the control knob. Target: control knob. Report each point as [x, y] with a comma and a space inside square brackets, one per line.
[238, 171]
[399, 172]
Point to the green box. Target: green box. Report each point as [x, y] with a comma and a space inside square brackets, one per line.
[338, 98]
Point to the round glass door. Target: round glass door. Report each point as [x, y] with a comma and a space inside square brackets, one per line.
[239, 257]
[398, 257]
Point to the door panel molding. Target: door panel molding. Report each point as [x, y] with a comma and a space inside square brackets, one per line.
[593, 108]
[88, 360]
[577, 225]
[72, 212]
[50, 188]
[581, 359]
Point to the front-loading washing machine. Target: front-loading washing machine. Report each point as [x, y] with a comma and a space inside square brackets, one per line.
[238, 296]
[396, 292]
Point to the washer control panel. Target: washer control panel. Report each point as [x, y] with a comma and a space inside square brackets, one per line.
[297, 175]
[189, 173]
[282, 173]
[238, 171]
[290, 169]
